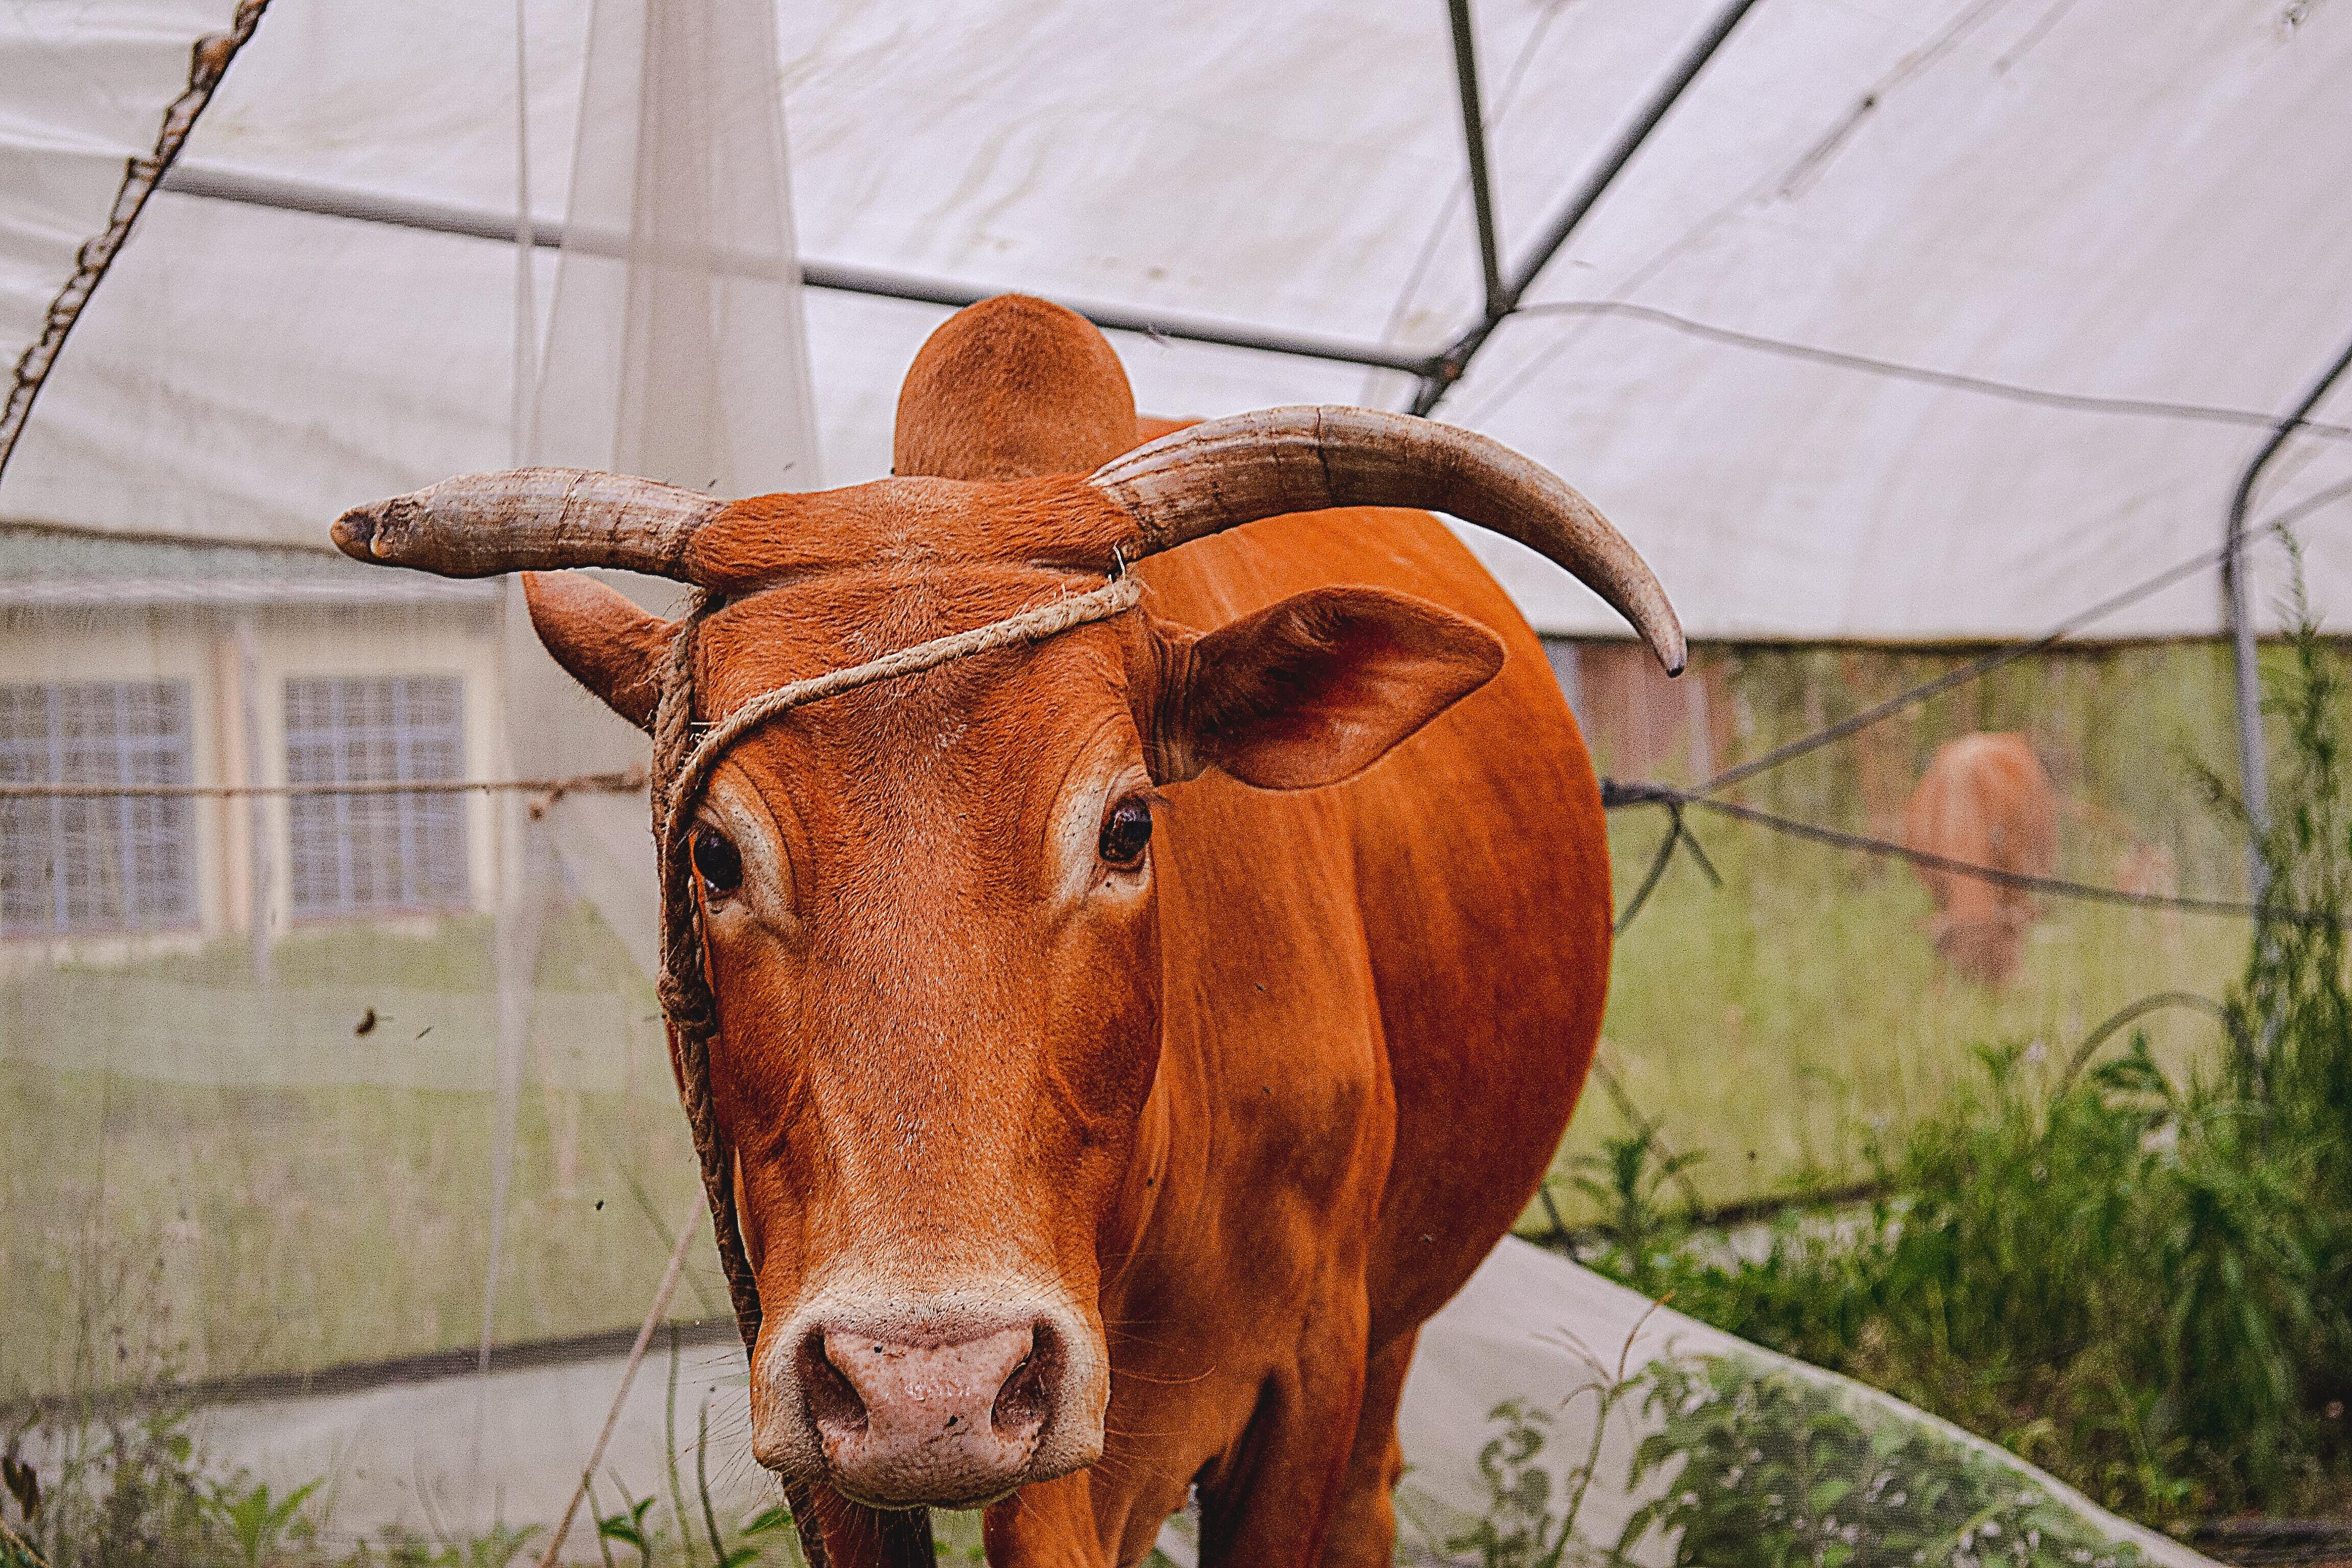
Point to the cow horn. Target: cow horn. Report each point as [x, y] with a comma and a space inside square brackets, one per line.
[1225, 472]
[526, 519]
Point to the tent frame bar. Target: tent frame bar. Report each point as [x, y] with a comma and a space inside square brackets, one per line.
[2253, 764]
[1474, 141]
[1433, 374]
[1449, 367]
[432, 218]
[837, 277]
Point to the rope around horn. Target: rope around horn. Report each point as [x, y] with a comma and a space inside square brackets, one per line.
[681, 766]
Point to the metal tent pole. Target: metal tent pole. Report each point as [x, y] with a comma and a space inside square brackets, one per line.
[1473, 144]
[1448, 368]
[211, 184]
[2253, 764]
[1435, 373]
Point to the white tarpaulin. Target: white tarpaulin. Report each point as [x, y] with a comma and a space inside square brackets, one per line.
[2054, 201]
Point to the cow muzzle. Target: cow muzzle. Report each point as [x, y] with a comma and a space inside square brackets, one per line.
[927, 1415]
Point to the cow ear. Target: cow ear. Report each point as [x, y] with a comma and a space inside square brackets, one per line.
[1316, 689]
[608, 643]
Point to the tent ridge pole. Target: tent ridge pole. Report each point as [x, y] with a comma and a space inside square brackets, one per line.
[2253, 764]
[432, 217]
[1450, 366]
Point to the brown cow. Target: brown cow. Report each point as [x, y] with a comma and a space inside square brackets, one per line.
[1985, 800]
[1123, 1059]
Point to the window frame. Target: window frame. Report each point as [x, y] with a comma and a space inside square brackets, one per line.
[149, 845]
[326, 743]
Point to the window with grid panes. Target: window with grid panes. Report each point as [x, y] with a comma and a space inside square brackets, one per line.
[354, 854]
[70, 865]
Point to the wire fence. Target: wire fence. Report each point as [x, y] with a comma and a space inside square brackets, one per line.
[627, 781]
[1616, 794]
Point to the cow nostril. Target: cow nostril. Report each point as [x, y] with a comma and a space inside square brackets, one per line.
[1027, 1396]
[833, 1401]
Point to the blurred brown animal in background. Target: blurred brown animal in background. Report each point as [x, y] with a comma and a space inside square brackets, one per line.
[1985, 800]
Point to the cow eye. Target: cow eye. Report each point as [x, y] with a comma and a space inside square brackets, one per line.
[1126, 834]
[717, 861]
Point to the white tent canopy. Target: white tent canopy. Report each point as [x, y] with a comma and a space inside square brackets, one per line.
[2120, 225]
[1911, 322]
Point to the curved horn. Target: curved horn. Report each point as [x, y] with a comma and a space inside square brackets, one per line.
[1225, 472]
[530, 519]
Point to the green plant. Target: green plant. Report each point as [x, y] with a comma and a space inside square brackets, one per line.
[1764, 1468]
[1519, 1529]
[1531, 1519]
[116, 1482]
[628, 1528]
[259, 1525]
[2141, 1280]
[774, 1520]
[128, 1487]
[767, 1536]
[2093, 1277]
[1754, 1465]
[1624, 1181]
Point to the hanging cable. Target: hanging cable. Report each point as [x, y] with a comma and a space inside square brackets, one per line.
[1927, 375]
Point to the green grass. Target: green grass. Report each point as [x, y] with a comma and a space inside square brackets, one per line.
[1776, 1026]
[282, 1192]
[272, 1191]
[2139, 1277]
[1779, 1022]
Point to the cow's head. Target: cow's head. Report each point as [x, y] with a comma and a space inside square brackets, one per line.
[928, 904]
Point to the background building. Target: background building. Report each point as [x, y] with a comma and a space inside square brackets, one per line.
[130, 661]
